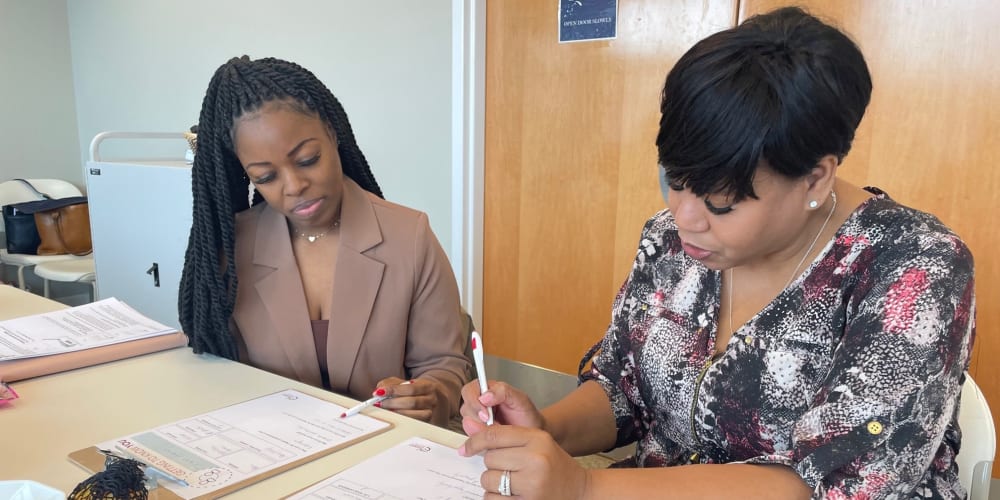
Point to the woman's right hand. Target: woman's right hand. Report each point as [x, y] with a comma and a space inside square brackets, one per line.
[511, 406]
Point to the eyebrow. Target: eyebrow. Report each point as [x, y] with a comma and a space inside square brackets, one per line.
[289, 155]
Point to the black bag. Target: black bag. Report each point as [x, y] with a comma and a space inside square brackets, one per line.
[63, 225]
[19, 220]
[22, 235]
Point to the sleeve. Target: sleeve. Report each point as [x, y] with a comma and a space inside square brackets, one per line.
[883, 423]
[435, 341]
[613, 366]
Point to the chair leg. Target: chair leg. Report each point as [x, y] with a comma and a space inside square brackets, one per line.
[46, 293]
[20, 277]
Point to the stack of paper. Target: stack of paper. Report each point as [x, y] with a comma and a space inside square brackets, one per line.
[72, 338]
[416, 468]
[109, 321]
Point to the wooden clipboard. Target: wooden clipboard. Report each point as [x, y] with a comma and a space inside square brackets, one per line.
[92, 460]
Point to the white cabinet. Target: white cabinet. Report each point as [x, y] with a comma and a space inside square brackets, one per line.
[140, 217]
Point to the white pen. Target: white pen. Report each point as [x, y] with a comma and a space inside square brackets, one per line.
[354, 410]
[477, 355]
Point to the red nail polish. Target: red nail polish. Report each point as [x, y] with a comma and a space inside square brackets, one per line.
[378, 405]
[380, 392]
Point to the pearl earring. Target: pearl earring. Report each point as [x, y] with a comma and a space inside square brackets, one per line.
[813, 204]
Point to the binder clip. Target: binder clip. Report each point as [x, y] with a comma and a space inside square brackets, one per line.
[122, 478]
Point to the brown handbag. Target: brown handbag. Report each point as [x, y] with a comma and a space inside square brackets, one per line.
[64, 230]
[62, 225]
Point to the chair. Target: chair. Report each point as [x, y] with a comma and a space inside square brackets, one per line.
[16, 192]
[975, 458]
[68, 270]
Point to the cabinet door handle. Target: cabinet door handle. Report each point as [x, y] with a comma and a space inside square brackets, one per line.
[155, 272]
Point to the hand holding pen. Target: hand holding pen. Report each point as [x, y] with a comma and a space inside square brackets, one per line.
[477, 355]
[482, 400]
[376, 400]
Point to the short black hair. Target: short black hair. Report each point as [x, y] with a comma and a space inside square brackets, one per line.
[220, 186]
[782, 87]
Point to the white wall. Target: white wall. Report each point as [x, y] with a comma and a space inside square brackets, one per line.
[38, 136]
[145, 65]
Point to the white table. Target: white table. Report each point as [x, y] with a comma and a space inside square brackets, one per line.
[61, 413]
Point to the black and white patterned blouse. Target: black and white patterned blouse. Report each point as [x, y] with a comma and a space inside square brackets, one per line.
[851, 375]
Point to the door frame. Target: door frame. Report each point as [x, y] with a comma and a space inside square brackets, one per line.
[468, 85]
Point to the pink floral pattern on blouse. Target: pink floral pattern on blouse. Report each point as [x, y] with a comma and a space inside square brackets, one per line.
[851, 375]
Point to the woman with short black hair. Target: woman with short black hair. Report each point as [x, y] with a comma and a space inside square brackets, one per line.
[783, 333]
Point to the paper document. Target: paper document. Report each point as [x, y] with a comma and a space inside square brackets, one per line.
[416, 468]
[234, 444]
[104, 322]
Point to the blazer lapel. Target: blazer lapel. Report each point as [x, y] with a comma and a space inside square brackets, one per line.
[356, 283]
[281, 292]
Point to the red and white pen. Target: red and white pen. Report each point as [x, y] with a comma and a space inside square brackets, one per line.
[354, 410]
[6, 393]
[477, 355]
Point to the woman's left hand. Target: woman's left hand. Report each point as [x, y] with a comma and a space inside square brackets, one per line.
[538, 467]
[419, 399]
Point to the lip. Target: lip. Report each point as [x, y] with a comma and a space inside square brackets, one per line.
[307, 208]
[695, 252]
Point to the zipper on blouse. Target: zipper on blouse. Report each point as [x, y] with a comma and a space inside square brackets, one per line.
[694, 400]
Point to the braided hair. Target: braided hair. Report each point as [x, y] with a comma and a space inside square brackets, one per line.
[219, 185]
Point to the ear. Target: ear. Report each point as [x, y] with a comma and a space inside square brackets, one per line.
[820, 180]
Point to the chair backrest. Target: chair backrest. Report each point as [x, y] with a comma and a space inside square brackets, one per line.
[979, 440]
[16, 191]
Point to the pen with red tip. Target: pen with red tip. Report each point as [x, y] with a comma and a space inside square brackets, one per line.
[6, 393]
[477, 355]
[354, 410]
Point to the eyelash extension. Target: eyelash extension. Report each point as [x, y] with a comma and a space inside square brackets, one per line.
[711, 208]
[717, 210]
[304, 163]
[310, 161]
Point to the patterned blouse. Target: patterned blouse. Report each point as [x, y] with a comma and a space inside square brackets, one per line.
[851, 376]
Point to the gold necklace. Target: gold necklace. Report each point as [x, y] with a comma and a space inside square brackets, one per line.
[732, 270]
[313, 237]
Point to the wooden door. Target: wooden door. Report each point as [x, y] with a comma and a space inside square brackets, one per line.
[570, 166]
[930, 136]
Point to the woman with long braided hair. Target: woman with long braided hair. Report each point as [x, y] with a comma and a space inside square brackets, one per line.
[318, 279]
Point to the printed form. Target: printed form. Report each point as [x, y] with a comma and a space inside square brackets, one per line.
[416, 468]
[236, 443]
[100, 323]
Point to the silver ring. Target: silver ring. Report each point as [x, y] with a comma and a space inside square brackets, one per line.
[504, 488]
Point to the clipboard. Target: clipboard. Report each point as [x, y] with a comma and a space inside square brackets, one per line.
[92, 461]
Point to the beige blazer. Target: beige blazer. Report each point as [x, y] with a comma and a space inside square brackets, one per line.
[395, 310]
